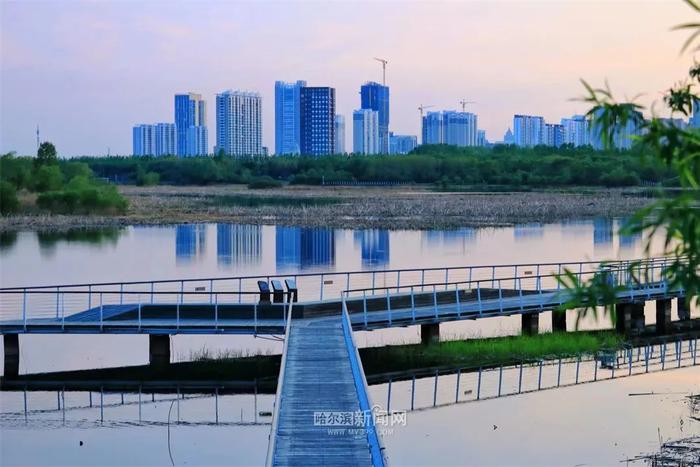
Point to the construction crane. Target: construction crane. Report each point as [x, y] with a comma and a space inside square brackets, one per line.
[383, 62]
[464, 103]
[421, 108]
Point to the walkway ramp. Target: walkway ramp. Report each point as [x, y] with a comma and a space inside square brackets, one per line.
[318, 377]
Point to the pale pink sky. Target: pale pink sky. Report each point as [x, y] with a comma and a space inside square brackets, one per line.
[87, 71]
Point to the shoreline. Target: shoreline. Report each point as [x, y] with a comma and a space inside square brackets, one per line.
[393, 208]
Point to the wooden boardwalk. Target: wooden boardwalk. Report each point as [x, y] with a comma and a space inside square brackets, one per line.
[317, 378]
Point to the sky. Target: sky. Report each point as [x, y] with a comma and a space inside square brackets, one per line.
[87, 71]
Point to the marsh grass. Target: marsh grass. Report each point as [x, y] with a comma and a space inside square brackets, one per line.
[491, 351]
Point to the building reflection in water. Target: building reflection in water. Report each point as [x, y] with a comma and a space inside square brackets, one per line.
[576, 228]
[190, 242]
[238, 244]
[628, 241]
[374, 246]
[602, 232]
[301, 247]
[450, 238]
[529, 230]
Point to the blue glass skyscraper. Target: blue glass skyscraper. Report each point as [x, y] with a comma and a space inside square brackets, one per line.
[317, 108]
[288, 117]
[191, 122]
[376, 97]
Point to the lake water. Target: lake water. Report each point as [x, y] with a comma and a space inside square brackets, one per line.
[240, 437]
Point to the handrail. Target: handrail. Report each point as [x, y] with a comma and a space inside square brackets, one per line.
[280, 382]
[473, 281]
[336, 273]
[373, 438]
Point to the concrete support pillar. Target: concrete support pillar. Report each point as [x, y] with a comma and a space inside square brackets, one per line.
[531, 324]
[558, 321]
[683, 308]
[158, 349]
[623, 317]
[663, 316]
[11, 347]
[637, 317]
[429, 333]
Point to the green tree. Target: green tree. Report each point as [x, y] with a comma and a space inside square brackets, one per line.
[48, 178]
[674, 217]
[46, 155]
[8, 198]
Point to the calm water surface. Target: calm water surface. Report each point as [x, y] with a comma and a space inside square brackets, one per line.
[533, 427]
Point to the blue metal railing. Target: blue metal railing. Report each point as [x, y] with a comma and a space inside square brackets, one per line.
[373, 438]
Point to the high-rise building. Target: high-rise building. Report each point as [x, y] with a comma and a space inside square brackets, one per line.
[508, 137]
[317, 109]
[375, 96]
[190, 111]
[365, 131]
[165, 135]
[459, 128]
[450, 127]
[339, 147]
[576, 131]
[528, 130]
[481, 138]
[239, 123]
[143, 139]
[622, 137]
[402, 144]
[287, 117]
[433, 128]
[197, 137]
[554, 134]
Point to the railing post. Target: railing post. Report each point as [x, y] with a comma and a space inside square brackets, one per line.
[398, 281]
[63, 312]
[459, 373]
[537, 273]
[478, 386]
[520, 379]
[182, 290]
[422, 280]
[347, 281]
[177, 316]
[388, 305]
[321, 293]
[24, 309]
[216, 311]
[121, 294]
[459, 306]
[435, 389]
[559, 373]
[447, 275]
[374, 279]
[478, 298]
[500, 379]
[578, 363]
[413, 391]
[435, 307]
[364, 306]
[151, 293]
[101, 312]
[388, 398]
[500, 296]
[240, 289]
[539, 377]
[89, 297]
[139, 315]
[57, 295]
[255, 318]
[413, 305]
[211, 291]
[493, 275]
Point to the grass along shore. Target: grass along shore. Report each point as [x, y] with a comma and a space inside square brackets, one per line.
[404, 207]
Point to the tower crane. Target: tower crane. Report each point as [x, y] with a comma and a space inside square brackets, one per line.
[383, 62]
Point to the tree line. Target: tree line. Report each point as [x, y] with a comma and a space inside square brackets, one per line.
[433, 164]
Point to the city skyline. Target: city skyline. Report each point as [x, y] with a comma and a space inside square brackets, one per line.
[167, 50]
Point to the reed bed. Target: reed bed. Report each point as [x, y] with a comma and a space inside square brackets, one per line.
[345, 207]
